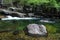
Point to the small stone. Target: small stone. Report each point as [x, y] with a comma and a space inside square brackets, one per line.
[15, 32]
[19, 39]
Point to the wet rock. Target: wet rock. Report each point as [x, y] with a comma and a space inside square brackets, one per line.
[36, 30]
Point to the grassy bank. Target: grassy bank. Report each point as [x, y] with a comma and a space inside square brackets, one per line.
[21, 24]
[52, 28]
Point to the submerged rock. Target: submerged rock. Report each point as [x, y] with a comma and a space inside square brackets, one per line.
[36, 30]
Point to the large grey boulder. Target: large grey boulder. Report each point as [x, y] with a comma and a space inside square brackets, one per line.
[35, 29]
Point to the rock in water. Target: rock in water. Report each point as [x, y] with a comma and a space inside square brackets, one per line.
[35, 29]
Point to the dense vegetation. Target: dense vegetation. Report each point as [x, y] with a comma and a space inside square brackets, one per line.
[53, 3]
[21, 24]
[45, 8]
[52, 28]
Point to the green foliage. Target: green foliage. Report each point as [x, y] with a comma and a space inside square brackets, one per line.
[51, 3]
[51, 28]
[7, 25]
[21, 24]
[36, 2]
[6, 1]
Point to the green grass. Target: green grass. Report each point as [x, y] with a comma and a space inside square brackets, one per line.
[21, 24]
[52, 28]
